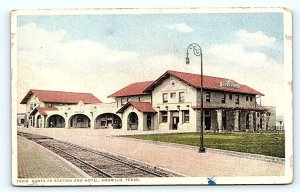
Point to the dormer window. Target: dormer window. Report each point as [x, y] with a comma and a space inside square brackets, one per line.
[124, 101]
[181, 97]
[223, 98]
[165, 97]
[207, 97]
[237, 99]
[172, 95]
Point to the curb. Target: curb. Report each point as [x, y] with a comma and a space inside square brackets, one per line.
[271, 159]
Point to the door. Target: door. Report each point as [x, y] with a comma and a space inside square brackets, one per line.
[175, 123]
[149, 119]
[207, 120]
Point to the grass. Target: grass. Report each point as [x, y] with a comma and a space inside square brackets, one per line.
[270, 144]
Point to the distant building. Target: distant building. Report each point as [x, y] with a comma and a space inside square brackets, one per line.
[171, 102]
[42, 108]
[279, 123]
[21, 119]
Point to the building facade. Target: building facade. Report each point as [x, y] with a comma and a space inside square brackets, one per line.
[171, 102]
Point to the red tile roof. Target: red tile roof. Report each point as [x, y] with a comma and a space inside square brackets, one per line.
[43, 110]
[61, 97]
[132, 89]
[145, 107]
[209, 82]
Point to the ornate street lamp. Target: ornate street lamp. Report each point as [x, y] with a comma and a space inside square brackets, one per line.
[198, 52]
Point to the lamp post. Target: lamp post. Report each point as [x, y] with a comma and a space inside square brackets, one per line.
[198, 52]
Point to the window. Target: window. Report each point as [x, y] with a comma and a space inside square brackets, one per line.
[48, 104]
[164, 116]
[139, 98]
[172, 95]
[207, 98]
[181, 97]
[124, 101]
[165, 97]
[223, 98]
[257, 114]
[186, 116]
[133, 118]
[206, 113]
[230, 96]
[268, 114]
[250, 98]
[247, 98]
[102, 123]
[237, 99]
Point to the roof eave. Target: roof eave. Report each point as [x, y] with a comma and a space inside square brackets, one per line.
[27, 96]
[113, 96]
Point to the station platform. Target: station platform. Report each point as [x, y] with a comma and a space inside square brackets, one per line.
[34, 161]
[183, 160]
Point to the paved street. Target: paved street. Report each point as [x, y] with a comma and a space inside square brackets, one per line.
[186, 161]
[36, 162]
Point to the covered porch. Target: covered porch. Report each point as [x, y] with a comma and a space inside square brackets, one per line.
[232, 119]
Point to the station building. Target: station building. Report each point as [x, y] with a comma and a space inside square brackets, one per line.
[171, 102]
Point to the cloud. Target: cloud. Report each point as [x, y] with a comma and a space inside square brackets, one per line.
[256, 39]
[253, 68]
[180, 27]
[52, 60]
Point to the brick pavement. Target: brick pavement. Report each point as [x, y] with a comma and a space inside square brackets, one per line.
[36, 162]
[181, 160]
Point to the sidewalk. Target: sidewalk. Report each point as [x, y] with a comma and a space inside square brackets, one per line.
[36, 162]
[181, 160]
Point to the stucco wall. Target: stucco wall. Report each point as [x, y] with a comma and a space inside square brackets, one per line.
[125, 115]
[141, 98]
[173, 85]
[216, 99]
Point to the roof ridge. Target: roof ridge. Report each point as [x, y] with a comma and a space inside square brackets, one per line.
[139, 102]
[62, 91]
[198, 74]
[142, 82]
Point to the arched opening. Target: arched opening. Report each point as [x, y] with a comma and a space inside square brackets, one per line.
[56, 121]
[39, 121]
[108, 120]
[80, 121]
[133, 121]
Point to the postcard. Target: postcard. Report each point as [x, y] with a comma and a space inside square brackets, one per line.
[187, 96]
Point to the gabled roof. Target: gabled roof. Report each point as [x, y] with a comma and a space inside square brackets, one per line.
[132, 89]
[61, 97]
[43, 110]
[209, 82]
[145, 107]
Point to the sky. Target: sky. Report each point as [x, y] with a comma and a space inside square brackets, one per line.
[103, 53]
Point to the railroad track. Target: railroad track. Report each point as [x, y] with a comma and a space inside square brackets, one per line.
[95, 163]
